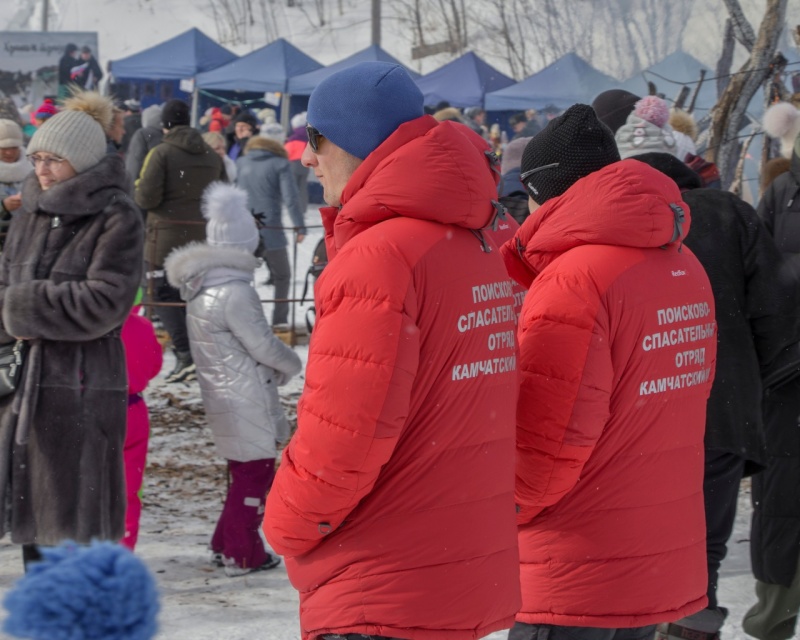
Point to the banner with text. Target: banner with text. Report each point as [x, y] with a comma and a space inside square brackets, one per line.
[29, 62]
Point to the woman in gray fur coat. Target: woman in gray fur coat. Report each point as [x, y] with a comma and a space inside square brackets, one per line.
[240, 364]
[68, 277]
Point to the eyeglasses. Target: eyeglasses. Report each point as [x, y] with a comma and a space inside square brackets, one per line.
[313, 137]
[48, 162]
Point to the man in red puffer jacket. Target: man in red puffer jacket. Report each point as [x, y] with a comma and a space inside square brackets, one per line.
[394, 501]
[617, 353]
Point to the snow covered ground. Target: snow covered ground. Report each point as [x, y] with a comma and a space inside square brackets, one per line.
[185, 485]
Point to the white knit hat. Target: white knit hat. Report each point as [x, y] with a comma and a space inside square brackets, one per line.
[273, 131]
[782, 121]
[10, 135]
[230, 223]
[298, 121]
[647, 130]
[78, 132]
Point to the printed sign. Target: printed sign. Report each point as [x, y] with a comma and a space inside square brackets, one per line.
[29, 62]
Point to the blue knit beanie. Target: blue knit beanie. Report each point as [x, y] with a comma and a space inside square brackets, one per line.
[359, 107]
[96, 592]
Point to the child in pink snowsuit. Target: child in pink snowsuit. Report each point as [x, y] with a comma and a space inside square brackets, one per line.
[143, 355]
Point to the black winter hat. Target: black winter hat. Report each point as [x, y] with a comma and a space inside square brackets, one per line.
[175, 113]
[247, 118]
[669, 165]
[570, 147]
[614, 106]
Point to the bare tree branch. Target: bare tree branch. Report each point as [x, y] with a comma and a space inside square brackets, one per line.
[728, 114]
[742, 29]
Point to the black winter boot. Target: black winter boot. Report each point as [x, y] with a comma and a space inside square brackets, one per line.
[184, 370]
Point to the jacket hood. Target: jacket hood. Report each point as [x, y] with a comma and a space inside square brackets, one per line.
[151, 117]
[197, 265]
[670, 166]
[11, 172]
[627, 204]
[425, 170]
[85, 194]
[260, 143]
[188, 139]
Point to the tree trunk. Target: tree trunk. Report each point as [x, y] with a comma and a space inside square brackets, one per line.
[725, 61]
[728, 114]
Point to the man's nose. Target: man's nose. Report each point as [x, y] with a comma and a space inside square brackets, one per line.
[309, 158]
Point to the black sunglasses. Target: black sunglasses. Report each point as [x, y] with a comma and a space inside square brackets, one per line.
[313, 137]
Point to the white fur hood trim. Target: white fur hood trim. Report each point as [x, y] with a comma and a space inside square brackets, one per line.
[197, 258]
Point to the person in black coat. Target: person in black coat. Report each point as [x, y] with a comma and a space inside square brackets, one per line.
[775, 533]
[757, 323]
[65, 64]
[779, 208]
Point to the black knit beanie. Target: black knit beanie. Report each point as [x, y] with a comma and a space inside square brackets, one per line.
[570, 147]
[614, 106]
[175, 113]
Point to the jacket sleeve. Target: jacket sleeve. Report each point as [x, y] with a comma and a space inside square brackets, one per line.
[5, 337]
[766, 209]
[96, 70]
[134, 158]
[245, 318]
[86, 309]
[149, 192]
[362, 365]
[771, 299]
[143, 353]
[291, 199]
[566, 379]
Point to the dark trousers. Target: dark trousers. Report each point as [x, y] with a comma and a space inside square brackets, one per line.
[281, 272]
[172, 317]
[237, 534]
[723, 473]
[30, 554]
[524, 631]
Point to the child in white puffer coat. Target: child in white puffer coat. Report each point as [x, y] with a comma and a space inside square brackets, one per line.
[240, 364]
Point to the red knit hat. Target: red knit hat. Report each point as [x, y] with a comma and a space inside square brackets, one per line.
[46, 109]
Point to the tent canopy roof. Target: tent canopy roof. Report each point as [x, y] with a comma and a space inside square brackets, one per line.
[304, 84]
[266, 69]
[463, 82]
[183, 56]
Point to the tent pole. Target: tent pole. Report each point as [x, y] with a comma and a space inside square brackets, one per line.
[285, 100]
[195, 105]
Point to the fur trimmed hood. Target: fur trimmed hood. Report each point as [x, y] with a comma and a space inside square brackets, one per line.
[11, 172]
[265, 144]
[197, 265]
[85, 194]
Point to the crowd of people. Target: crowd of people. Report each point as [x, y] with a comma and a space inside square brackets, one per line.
[539, 371]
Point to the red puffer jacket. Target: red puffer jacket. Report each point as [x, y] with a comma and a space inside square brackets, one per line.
[617, 356]
[394, 501]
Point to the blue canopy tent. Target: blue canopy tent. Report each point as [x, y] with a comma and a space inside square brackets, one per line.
[179, 58]
[184, 56]
[264, 70]
[670, 74]
[561, 84]
[304, 84]
[463, 82]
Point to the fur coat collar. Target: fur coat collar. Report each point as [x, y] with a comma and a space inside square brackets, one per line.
[197, 265]
[11, 172]
[85, 194]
